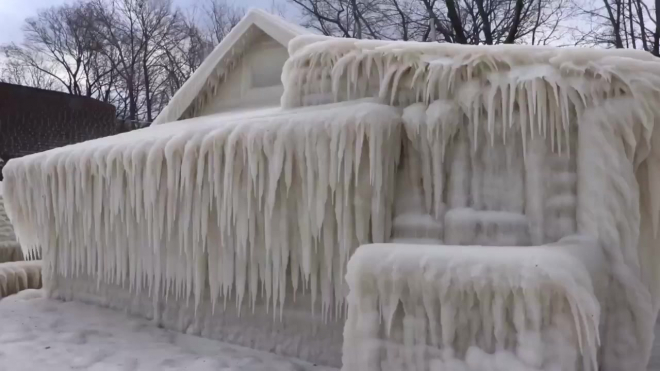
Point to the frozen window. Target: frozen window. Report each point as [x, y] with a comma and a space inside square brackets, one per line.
[267, 67]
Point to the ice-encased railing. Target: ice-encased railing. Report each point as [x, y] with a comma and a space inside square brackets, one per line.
[247, 204]
[608, 99]
[472, 308]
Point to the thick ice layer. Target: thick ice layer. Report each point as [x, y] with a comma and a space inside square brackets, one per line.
[471, 308]
[249, 204]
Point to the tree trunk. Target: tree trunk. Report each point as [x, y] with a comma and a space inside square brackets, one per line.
[488, 33]
[656, 35]
[147, 82]
[456, 22]
[513, 32]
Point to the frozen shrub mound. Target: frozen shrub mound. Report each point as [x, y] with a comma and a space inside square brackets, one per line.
[459, 207]
[17, 276]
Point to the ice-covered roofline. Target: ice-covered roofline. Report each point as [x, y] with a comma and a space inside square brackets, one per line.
[523, 54]
[393, 69]
[220, 61]
[538, 89]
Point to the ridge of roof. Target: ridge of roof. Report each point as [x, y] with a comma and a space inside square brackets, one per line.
[274, 26]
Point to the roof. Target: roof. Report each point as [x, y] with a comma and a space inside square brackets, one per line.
[16, 89]
[406, 72]
[274, 26]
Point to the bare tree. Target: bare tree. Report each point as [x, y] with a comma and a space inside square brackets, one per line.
[183, 52]
[15, 71]
[60, 43]
[118, 27]
[158, 47]
[463, 22]
[192, 38]
[134, 54]
[157, 24]
[217, 18]
[620, 24]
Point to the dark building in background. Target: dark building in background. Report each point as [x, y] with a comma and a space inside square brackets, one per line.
[35, 120]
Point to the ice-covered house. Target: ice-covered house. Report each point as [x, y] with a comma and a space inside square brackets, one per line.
[409, 206]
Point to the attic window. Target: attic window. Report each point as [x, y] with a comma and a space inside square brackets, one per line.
[267, 68]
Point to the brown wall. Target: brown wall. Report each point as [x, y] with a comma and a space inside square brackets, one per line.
[34, 120]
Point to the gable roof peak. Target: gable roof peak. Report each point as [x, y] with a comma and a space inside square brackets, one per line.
[224, 55]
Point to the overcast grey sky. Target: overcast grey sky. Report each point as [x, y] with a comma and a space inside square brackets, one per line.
[14, 12]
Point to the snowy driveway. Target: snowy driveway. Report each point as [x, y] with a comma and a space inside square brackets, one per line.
[39, 334]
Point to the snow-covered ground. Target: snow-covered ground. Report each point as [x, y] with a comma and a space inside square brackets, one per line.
[41, 334]
[654, 365]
